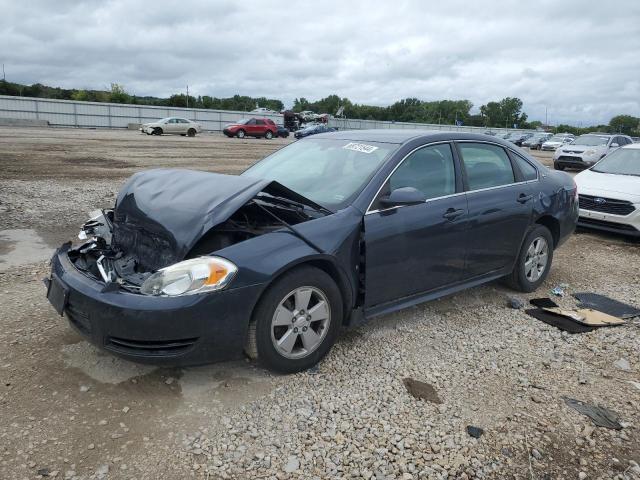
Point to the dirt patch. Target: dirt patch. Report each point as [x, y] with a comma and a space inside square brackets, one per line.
[421, 390]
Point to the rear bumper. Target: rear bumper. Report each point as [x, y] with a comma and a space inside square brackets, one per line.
[176, 331]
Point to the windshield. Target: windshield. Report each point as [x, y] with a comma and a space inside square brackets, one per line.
[243, 121]
[590, 140]
[557, 138]
[624, 161]
[330, 172]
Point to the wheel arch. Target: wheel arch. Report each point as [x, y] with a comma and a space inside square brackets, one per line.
[553, 225]
[327, 265]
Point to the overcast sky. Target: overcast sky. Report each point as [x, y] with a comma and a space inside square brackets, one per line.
[579, 59]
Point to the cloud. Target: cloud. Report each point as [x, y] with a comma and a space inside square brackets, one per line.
[577, 61]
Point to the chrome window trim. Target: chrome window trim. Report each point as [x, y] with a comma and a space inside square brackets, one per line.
[450, 142]
[439, 142]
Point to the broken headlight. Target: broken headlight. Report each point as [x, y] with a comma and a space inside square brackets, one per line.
[198, 275]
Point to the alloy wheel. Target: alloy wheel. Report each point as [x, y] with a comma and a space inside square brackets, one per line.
[536, 260]
[300, 322]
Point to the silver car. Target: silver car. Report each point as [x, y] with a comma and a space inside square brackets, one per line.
[173, 125]
[587, 150]
[557, 141]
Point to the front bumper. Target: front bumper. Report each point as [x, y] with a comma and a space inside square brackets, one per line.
[574, 161]
[624, 224]
[175, 331]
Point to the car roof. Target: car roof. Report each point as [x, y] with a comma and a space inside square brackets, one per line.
[400, 136]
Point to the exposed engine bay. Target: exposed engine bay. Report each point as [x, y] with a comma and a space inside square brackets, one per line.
[122, 251]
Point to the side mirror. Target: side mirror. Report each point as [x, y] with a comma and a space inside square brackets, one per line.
[403, 196]
[614, 145]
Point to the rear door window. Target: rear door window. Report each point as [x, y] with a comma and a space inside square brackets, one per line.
[486, 165]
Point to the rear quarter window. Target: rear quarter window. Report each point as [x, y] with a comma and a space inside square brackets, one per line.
[527, 170]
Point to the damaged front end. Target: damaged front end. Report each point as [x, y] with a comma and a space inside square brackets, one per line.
[160, 237]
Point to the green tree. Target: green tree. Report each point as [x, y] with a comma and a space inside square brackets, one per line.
[118, 94]
[626, 124]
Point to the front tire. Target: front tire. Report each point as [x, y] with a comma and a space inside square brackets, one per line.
[157, 131]
[296, 321]
[240, 134]
[534, 260]
[558, 167]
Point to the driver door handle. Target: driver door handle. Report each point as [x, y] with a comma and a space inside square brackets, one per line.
[524, 198]
[453, 213]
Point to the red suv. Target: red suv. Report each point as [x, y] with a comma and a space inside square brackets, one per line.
[252, 127]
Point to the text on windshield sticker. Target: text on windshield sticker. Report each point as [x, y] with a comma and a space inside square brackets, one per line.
[360, 147]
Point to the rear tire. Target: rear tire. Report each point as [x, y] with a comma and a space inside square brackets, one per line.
[533, 262]
[240, 134]
[191, 132]
[268, 135]
[296, 321]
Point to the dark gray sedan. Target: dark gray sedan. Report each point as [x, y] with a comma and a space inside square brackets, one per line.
[192, 267]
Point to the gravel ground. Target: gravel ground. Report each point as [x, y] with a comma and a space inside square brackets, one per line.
[71, 411]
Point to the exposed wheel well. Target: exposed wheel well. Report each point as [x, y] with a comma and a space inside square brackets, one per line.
[553, 225]
[331, 270]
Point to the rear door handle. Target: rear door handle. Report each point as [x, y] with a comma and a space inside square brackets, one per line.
[453, 213]
[524, 198]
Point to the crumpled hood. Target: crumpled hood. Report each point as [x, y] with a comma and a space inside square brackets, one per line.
[161, 214]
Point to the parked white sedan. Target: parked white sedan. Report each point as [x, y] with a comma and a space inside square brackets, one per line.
[174, 125]
[609, 192]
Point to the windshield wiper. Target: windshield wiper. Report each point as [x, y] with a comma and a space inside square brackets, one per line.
[292, 203]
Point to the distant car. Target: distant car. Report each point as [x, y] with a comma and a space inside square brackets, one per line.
[557, 141]
[252, 127]
[490, 133]
[609, 192]
[262, 110]
[308, 115]
[518, 138]
[587, 149]
[282, 132]
[313, 130]
[178, 126]
[536, 140]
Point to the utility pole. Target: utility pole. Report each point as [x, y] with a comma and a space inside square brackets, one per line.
[187, 96]
[546, 117]
[4, 78]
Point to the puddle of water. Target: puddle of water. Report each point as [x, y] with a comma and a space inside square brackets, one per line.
[101, 366]
[21, 247]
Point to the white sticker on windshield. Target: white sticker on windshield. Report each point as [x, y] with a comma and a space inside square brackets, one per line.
[360, 147]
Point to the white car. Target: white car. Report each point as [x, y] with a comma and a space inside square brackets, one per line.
[173, 125]
[557, 141]
[262, 110]
[587, 149]
[609, 192]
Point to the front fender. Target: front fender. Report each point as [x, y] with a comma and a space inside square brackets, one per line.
[262, 259]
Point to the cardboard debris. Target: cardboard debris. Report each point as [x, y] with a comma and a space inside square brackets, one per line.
[587, 316]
